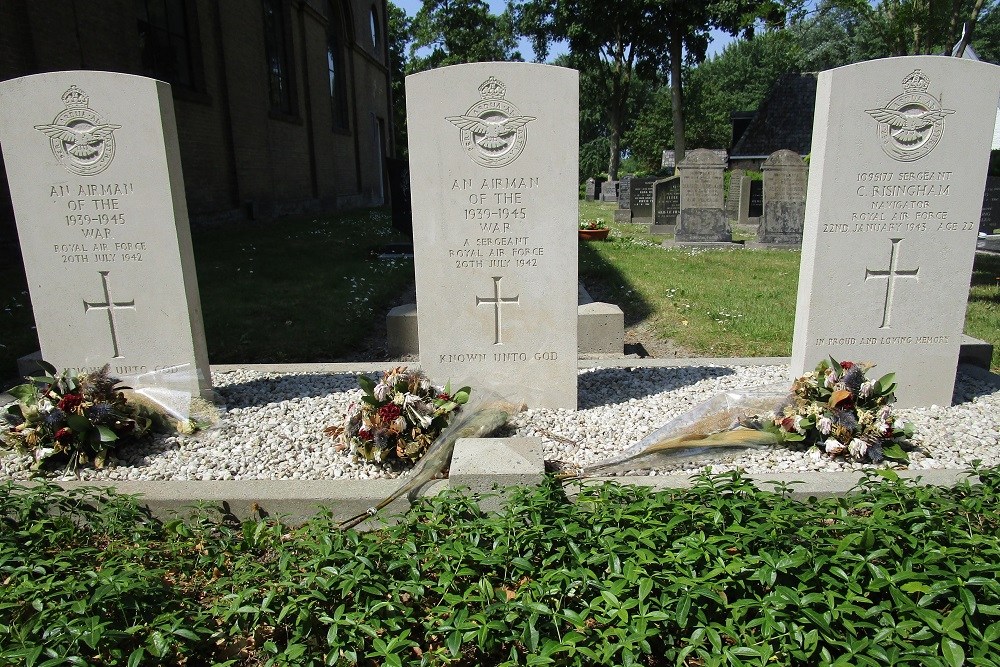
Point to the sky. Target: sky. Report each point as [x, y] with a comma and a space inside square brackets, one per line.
[719, 38]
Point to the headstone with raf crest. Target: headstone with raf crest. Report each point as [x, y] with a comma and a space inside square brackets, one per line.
[495, 227]
[95, 178]
[899, 156]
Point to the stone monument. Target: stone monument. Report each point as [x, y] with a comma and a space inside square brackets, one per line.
[784, 199]
[95, 178]
[667, 202]
[702, 218]
[899, 156]
[495, 227]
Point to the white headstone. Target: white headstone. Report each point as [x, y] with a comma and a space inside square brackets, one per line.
[899, 156]
[95, 178]
[494, 184]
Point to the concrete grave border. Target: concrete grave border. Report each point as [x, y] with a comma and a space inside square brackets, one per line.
[294, 501]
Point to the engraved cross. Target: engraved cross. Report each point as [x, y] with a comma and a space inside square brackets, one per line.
[890, 275]
[109, 306]
[497, 300]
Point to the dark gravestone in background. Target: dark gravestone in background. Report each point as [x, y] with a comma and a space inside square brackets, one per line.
[990, 217]
[593, 189]
[756, 199]
[399, 189]
[668, 200]
[625, 192]
[641, 195]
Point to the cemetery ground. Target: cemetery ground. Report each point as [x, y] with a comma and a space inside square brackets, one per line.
[308, 289]
[722, 573]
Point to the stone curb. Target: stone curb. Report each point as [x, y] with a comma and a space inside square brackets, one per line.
[296, 500]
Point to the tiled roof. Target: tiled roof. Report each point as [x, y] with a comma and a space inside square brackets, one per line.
[784, 119]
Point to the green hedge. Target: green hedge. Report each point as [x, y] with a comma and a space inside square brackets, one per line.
[721, 574]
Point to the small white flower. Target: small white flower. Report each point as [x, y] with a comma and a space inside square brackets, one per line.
[381, 391]
[898, 425]
[825, 425]
[399, 423]
[831, 379]
[833, 446]
[45, 406]
[425, 384]
[797, 424]
[867, 389]
[814, 453]
[43, 452]
[858, 448]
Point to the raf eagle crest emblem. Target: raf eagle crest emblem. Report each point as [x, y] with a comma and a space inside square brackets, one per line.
[492, 131]
[80, 139]
[911, 124]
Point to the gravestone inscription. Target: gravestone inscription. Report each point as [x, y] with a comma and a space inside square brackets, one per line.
[609, 191]
[702, 218]
[494, 224]
[625, 192]
[892, 213]
[642, 200]
[95, 179]
[667, 195]
[989, 220]
[784, 199]
[755, 200]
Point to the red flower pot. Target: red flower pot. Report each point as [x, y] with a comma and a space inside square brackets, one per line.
[594, 234]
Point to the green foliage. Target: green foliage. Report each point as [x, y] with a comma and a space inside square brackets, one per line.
[718, 574]
[460, 31]
[986, 38]
[399, 36]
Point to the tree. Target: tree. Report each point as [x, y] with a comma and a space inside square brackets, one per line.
[609, 43]
[986, 38]
[635, 38]
[399, 35]
[460, 31]
[686, 27]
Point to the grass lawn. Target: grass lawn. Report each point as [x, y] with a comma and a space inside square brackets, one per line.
[297, 290]
[731, 302]
[306, 289]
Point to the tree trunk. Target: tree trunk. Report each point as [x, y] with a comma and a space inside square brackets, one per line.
[677, 92]
[615, 154]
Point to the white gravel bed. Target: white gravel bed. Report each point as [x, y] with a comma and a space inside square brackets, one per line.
[273, 427]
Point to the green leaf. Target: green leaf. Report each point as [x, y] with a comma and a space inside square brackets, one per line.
[78, 423]
[47, 367]
[952, 652]
[886, 383]
[107, 435]
[454, 643]
[968, 600]
[135, 659]
[462, 395]
[645, 586]
[683, 607]
[366, 384]
[24, 393]
[888, 474]
[895, 453]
